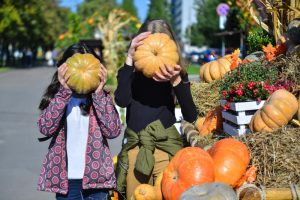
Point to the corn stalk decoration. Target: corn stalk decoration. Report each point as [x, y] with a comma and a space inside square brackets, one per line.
[113, 42]
[274, 15]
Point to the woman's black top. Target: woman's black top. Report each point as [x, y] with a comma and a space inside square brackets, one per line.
[147, 100]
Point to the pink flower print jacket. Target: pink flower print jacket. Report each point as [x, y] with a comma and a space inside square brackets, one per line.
[104, 123]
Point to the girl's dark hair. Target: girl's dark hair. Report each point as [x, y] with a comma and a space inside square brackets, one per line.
[162, 26]
[53, 88]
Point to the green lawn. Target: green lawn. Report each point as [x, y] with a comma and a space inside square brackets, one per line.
[193, 69]
[4, 69]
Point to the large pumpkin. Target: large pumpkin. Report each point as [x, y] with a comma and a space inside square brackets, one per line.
[157, 50]
[83, 70]
[277, 111]
[190, 166]
[231, 159]
[215, 70]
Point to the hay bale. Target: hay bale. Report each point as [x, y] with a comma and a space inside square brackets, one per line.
[205, 96]
[290, 67]
[276, 155]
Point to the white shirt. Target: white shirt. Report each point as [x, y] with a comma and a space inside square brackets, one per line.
[77, 135]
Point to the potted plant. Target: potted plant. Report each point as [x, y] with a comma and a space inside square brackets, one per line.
[244, 90]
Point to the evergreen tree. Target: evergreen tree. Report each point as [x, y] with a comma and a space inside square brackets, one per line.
[159, 9]
[128, 5]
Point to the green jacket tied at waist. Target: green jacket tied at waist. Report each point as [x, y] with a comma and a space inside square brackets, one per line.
[153, 136]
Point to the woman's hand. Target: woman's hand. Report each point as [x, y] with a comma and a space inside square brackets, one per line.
[168, 74]
[103, 77]
[62, 78]
[137, 41]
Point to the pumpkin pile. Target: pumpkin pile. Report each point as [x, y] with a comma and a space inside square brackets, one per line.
[226, 162]
[83, 70]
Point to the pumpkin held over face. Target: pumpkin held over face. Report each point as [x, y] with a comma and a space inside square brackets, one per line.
[277, 111]
[190, 166]
[231, 158]
[157, 50]
[83, 70]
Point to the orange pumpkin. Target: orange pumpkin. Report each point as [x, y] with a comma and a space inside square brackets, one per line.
[277, 111]
[157, 50]
[212, 122]
[83, 70]
[231, 159]
[190, 166]
[147, 192]
[215, 70]
[299, 107]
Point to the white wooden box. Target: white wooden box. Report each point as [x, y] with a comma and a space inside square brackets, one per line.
[237, 118]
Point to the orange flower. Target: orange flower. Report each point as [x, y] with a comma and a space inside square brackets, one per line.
[270, 52]
[235, 56]
[61, 36]
[90, 21]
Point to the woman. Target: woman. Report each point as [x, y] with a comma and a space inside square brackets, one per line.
[151, 138]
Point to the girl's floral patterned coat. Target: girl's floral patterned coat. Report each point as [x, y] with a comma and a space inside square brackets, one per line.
[103, 123]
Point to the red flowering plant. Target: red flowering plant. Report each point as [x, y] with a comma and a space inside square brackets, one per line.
[253, 81]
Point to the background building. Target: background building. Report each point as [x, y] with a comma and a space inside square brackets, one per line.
[183, 16]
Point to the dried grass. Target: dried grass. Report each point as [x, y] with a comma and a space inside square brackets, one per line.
[276, 155]
[205, 96]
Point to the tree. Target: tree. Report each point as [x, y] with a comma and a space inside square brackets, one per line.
[128, 6]
[202, 33]
[159, 9]
[29, 24]
[95, 7]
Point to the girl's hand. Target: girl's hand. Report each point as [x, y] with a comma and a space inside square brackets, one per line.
[137, 41]
[168, 74]
[103, 77]
[62, 78]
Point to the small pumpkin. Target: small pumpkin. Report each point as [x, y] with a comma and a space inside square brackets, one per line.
[231, 158]
[147, 192]
[299, 107]
[190, 166]
[83, 70]
[213, 121]
[277, 111]
[209, 191]
[157, 50]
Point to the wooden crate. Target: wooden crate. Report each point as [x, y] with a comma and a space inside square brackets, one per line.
[237, 118]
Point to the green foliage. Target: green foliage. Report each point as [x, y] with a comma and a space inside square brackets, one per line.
[31, 23]
[128, 6]
[95, 7]
[202, 33]
[254, 80]
[159, 9]
[257, 38]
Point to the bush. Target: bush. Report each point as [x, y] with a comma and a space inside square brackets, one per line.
[257, 38]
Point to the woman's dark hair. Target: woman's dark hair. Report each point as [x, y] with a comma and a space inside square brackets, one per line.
[162, 26]
[53, 88]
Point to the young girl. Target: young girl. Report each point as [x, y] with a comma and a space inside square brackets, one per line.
[151, 138]
[78, 164]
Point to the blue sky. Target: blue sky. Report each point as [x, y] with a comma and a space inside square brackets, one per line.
[141, 6]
